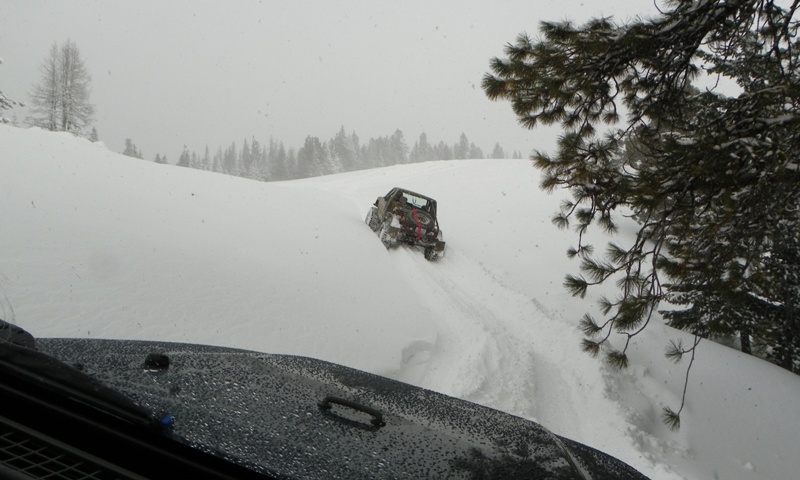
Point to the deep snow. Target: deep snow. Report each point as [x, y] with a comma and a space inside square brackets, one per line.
[95, 244]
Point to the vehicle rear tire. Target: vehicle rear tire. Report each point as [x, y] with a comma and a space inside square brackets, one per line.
[430, 254]
[387, 240]
[372, 219]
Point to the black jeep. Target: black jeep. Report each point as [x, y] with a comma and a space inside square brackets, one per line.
[402, 216]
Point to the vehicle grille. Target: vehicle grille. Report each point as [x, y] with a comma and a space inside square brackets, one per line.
[29, 455]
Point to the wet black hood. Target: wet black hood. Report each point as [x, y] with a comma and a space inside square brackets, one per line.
[297, 417]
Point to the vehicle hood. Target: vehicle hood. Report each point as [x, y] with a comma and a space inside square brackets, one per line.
[299, 417]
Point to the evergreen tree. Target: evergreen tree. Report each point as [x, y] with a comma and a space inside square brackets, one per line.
[443, 152]
[359, 158]
[329, 164]
[378, 152]
[185, 160]
[312, 158]
[229, 161]
[245, 159]
[422, 151]
[61, 99]
[131, 150]
[461, 149]
[712, 178]
[426, 153]
[498, 151]
[398, 148]
[475, 152]
[291, 164]
[343, 150]
[258, 167]
[277, 160]
[205, 162]
[93, 136]
[217, 163]
[281, 165]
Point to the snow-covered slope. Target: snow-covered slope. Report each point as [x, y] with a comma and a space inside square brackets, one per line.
[95, 244]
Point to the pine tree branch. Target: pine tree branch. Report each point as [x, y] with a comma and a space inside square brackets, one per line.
[672, 418]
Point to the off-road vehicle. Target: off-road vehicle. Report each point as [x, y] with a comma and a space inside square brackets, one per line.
[404, 217]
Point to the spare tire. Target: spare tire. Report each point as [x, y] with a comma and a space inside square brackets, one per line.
[425, 219]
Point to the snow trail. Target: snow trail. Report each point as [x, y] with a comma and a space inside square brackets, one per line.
[100, 245]
[498, 347]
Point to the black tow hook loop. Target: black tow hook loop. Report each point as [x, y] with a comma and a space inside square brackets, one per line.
[377, 418]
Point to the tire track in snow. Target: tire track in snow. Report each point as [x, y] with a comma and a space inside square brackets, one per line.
[476, 356]
[503, 349]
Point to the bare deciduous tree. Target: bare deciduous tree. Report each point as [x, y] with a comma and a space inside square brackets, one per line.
[61, 99]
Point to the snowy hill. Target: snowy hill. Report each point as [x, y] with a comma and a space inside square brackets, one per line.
[95, 244]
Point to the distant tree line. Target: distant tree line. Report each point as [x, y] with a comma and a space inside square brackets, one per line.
[272, 161]
[60, 102]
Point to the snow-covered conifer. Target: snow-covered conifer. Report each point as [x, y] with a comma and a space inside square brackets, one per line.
[712, 175]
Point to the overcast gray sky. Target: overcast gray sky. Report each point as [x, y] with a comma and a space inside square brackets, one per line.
[168, 73]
